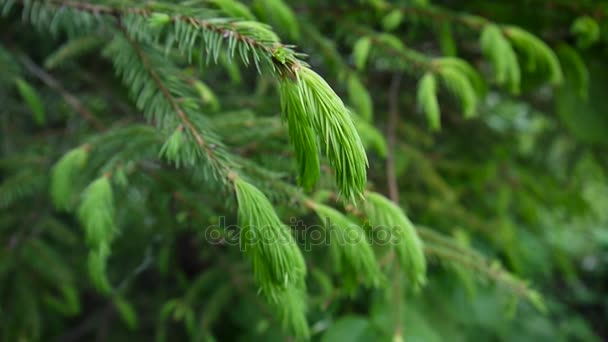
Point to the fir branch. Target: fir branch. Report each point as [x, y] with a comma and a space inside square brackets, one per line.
[278, 265]
[535, 50]
[351, 250]
[196, 22]
[459, 77]
[382, 212]
[310, 104]
[493, 271]
[157, 100]
[330, 119]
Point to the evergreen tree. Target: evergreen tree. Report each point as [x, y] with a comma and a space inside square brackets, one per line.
[303, 170]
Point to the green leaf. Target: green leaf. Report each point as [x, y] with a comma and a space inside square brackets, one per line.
[31, 98]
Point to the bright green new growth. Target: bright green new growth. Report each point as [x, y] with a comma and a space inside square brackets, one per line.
[587, 31]
[458, 76]
[278, 265]
[97, 262]
[361, 51]
[498, 49]
[301, 134]
[427, 100]
[312, 100]
[383, 213]
[96, 214]
[458, 84]
[538, 53]
[291, 308]
[33, 101]
[63, 177]
[463, 67]
[349, 243]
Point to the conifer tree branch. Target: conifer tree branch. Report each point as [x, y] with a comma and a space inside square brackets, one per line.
[444, 248]
[491, 270]
[313, 109]
[534, 49]
[282, 57]
[165, 92]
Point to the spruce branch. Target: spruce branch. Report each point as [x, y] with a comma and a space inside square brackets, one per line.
[382, 212]
[444, 248]
[492, 270]
[311, 106]
[496, 40]
[184, 26]
[350, 248]
[250, 37]
[186, 122]
[458, 76]
[278, 264]
[155, 83]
